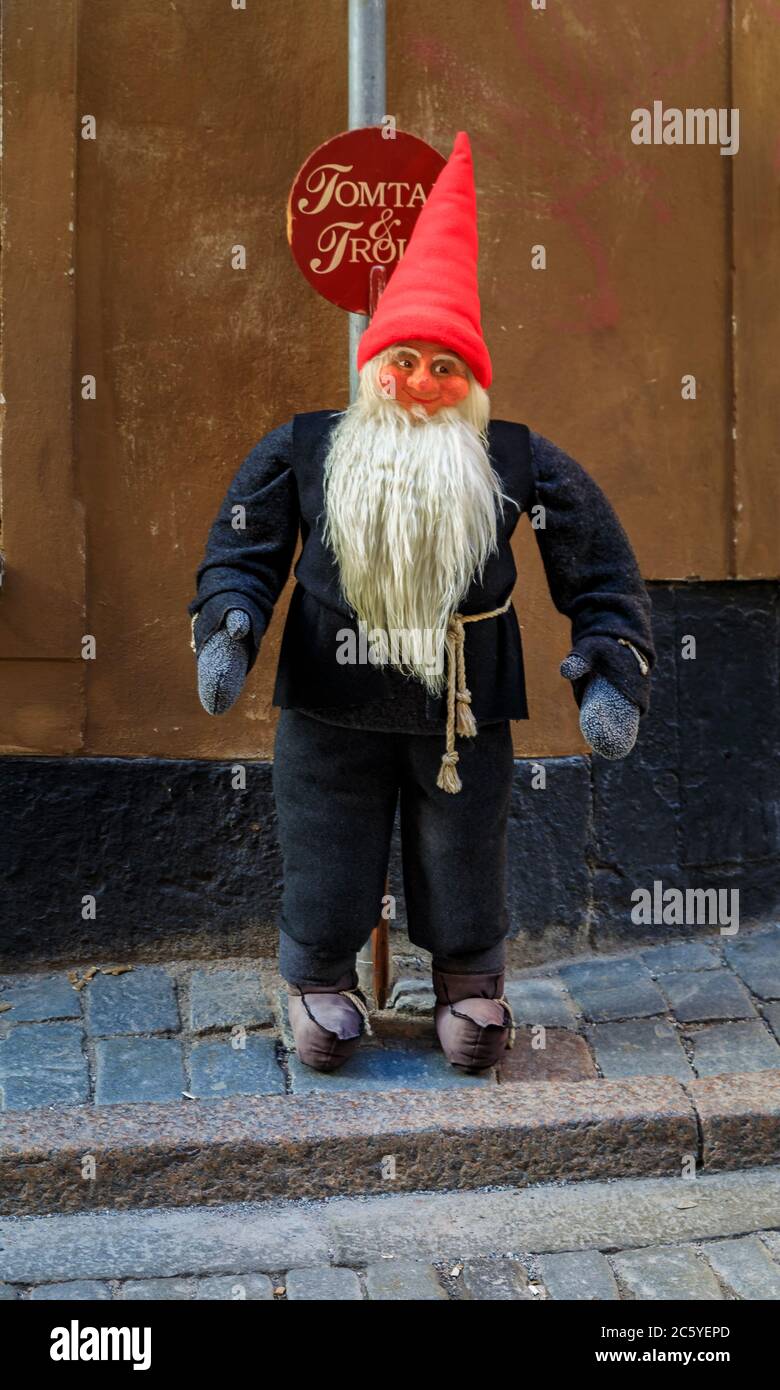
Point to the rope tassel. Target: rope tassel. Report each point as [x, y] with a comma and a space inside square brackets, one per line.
[448, 779]
[467, 724]
[460, 718]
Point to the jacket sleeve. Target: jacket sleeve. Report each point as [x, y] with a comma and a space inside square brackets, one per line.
[592, 574]
[251, 543]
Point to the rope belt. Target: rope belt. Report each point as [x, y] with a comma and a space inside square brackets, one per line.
[459, 717]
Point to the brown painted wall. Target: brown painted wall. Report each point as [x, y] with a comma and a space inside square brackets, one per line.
[203, 115]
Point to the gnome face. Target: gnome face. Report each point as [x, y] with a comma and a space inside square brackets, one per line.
[424, 375]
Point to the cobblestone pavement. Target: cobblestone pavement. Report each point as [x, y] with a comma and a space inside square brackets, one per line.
[169, 1032]
[715, 1238]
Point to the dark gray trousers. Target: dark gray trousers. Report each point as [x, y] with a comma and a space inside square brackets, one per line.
[336, 791]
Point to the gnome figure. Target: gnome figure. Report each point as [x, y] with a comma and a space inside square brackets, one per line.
[401, 665]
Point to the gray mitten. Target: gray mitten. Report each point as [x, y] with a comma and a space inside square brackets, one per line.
[608, 720]
[223, 663]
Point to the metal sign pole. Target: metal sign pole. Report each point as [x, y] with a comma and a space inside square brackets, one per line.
[367, 106]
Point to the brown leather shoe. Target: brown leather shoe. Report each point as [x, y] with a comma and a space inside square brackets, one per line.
[327, 1021]
[473, 1020]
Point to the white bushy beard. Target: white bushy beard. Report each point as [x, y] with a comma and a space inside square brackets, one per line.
[410, 514]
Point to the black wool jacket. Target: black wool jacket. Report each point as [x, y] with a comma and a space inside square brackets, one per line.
[277, 496]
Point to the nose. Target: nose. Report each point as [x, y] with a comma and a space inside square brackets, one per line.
[421, 380]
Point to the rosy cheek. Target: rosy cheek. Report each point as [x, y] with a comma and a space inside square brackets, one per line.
[454, 389]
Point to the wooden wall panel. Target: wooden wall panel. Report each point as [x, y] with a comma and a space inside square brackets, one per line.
[204, 114]
[43, 707]
[756, 38]
[42, 600]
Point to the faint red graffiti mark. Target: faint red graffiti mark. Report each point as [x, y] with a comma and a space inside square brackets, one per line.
[575, 122]
[772, 8]
[716, 32]
[584, 117]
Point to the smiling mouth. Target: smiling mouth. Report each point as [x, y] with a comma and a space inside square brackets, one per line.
[422, 399]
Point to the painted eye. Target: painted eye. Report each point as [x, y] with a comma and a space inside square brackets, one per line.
[405, 362]
[442, 369]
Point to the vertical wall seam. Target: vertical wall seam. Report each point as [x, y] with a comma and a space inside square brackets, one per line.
[75, 362]
[733, 326]
[2, 267]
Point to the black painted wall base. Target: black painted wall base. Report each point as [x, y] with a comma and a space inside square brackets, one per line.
[181, 863]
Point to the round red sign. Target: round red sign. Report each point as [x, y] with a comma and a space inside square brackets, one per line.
[353, 205]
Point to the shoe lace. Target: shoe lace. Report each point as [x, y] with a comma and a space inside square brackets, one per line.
[361, 1006]
[512, 1027]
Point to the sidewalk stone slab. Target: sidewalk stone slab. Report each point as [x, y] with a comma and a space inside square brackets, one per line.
[150, 1290]
[730, 1047]
[147, 1245]
[612, 989]
[399, 1280]
[756, 959]
[578, 1274]
[746, 1267]
[565, 1057]
[541, 1000]
[552, 1217]
[423, 1226]
[771, 1240]
[8, 1293]
[497, 1280]
[142, 1001]
[387, 1069]
[640, 1047]
[38, 997]
[219, 1069]
[138, 1069]
[739, 1115]
[88, 1290]
[43, 1064]
[666, 1273]
[688, 955]
[225, 998]
[323, 1284]
[251, 1288]
[696, 996]
[772, 1015]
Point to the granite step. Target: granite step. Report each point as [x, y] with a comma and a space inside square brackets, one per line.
[255, 1148]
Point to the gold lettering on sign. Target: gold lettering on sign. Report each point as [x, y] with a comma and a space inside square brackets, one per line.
[320, 182]
[332, 241]
[376, 244]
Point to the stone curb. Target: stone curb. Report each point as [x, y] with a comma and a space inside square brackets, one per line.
[739, 1115]
[254, 1148]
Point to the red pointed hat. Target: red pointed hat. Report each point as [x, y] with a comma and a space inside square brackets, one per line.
[432, 293]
